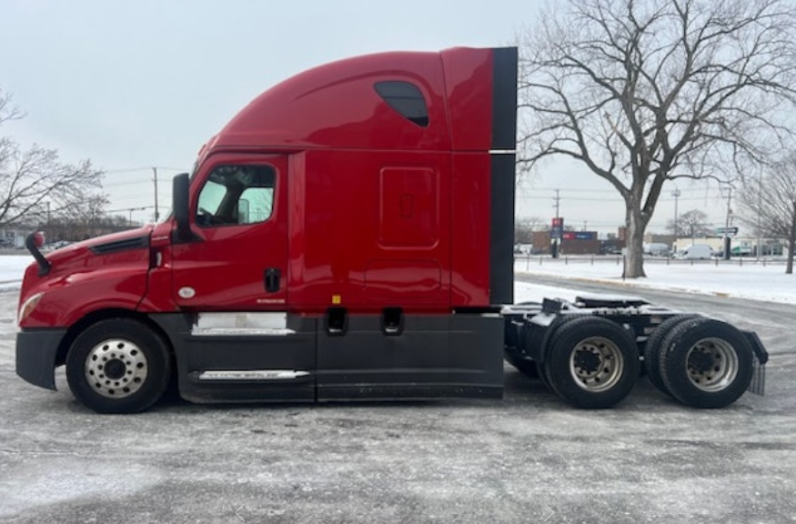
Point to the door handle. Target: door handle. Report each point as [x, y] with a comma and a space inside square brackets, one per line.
[272, 279]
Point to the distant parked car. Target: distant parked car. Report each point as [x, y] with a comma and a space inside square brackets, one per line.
[656, 249]
[59, 244]
[695, 252]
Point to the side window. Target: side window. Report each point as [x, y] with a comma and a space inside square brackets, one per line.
[235, 195]
[405, 98]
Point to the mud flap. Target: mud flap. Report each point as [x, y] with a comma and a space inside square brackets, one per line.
[758, 383]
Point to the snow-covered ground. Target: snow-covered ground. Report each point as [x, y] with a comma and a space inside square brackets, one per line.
[12, 268]
[752, 281]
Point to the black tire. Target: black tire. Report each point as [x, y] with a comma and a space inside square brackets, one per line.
[543, 372]
[511, 342]
[652, 350]
[118, 366]
[706, 363]
[537, 338]
[511, 333]
[592, 362]
[544, 377]
[524, 366]
[511, 352]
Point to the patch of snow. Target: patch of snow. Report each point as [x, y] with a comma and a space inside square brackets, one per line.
[12, 269]
[735, 279]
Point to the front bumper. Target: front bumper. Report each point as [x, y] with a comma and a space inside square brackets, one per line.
[37, 351]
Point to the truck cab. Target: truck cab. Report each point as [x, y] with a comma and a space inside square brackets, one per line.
[347, 235]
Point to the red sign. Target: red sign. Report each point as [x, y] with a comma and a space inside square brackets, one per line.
[557, 228]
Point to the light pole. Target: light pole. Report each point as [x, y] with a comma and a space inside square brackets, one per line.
[155, 178]
[727, 242]
[759, 211]
[676, 194]
[131, 209]
[558, 229]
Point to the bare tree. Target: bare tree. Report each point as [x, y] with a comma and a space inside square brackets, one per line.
[692, 224]
[525, 227]
[88, 211]
[34, 183]
[674, 228]
[75, 229]
[646, 91]
[8, 111]
[769, 204]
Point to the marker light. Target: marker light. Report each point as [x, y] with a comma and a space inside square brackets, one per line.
[38, 238]
[28, 307]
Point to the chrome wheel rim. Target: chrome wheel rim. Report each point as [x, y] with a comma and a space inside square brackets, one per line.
[596, 364]
[116, 368]
[712, 364]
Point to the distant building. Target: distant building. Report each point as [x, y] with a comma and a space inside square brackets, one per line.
[576, 243]
[13, 238]
[653, 238]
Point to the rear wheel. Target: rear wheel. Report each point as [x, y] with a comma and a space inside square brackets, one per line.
[537, 339]
[118, 366]
[706, 363]
[652, 350]
[592, 362]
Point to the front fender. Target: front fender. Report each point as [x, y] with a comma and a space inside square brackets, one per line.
[68, 299]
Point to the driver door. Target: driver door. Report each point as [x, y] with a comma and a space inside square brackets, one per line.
[237, 260]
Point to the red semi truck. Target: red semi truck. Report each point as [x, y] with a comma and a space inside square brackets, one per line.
[348, 236]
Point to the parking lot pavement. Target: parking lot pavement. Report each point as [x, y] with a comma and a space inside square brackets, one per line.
[526, 458]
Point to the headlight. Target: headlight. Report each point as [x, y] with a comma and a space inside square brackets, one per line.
[28, 307]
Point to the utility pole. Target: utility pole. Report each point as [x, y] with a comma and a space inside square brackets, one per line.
[557, 199]
[130, 210]
[759, 211]
[727, 245]
[554, 248]
[676, 194]
[157, 214]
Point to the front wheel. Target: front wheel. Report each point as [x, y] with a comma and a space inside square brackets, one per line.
[118, 366]
[592, 363]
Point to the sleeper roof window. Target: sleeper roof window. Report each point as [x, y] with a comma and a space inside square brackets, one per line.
[405, 98]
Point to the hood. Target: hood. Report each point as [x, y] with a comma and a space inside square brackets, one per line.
[86, 251]
[131, 239]
[104, 272]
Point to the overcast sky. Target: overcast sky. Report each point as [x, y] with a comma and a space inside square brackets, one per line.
[145, 83]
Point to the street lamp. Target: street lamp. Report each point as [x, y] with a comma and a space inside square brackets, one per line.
[130, 221]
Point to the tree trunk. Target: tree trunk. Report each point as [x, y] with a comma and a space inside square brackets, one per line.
[791, 242]
[634, 242]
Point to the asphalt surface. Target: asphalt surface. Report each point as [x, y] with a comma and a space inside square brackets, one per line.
[526, 458]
